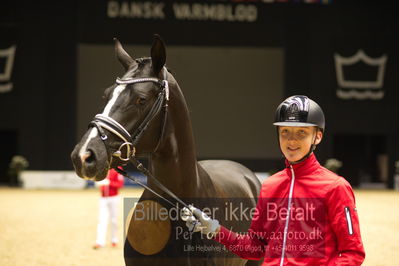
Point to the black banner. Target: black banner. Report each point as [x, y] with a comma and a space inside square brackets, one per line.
[184, 22]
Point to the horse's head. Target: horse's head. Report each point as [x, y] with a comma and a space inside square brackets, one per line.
[133, 112]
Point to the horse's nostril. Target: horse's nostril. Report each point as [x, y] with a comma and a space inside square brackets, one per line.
[91, 158]
[88, 157]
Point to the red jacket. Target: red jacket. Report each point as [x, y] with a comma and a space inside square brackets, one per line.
[115, 182]
[321, 224]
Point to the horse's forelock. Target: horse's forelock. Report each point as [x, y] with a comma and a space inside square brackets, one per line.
[136, 69]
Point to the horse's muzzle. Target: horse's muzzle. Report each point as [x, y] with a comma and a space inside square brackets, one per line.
[91, 163]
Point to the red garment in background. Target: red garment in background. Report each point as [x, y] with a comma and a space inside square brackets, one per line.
[115, 183]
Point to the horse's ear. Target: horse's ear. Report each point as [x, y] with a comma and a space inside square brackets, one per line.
[158, 54]
[123, 57]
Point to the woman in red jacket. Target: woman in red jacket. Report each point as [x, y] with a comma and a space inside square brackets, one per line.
[108, 208]
[306, 214]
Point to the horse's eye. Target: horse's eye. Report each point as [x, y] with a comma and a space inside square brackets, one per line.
[140, 101]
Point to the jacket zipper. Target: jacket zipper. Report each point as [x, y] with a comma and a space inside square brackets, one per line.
[288, 215]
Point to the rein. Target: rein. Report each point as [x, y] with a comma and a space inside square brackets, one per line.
[146, 172]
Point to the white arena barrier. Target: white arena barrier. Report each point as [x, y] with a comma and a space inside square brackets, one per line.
[51, 180]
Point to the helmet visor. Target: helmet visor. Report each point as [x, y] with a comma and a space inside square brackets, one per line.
[294, 124]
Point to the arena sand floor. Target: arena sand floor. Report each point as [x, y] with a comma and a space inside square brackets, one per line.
[58, 227]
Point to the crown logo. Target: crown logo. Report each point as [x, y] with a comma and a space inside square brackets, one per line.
[360, 89]
[5, 73]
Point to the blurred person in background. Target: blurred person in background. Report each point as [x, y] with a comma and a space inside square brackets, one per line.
[108, 208]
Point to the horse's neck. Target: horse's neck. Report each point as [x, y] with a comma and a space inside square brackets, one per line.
[175, 163]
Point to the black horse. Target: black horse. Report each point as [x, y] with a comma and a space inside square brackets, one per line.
[146, 115]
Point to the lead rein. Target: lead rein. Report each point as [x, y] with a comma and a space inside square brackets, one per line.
[147, 173]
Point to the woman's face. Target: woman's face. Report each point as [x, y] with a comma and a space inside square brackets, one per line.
[295, 142]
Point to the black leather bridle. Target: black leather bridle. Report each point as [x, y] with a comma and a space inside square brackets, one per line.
[129, 141]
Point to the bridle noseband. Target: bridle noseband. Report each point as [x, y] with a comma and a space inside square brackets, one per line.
[129, 141]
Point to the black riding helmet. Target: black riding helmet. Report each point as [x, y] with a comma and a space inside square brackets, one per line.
[300, 111]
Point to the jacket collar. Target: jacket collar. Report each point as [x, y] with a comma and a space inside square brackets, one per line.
[308, 166]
